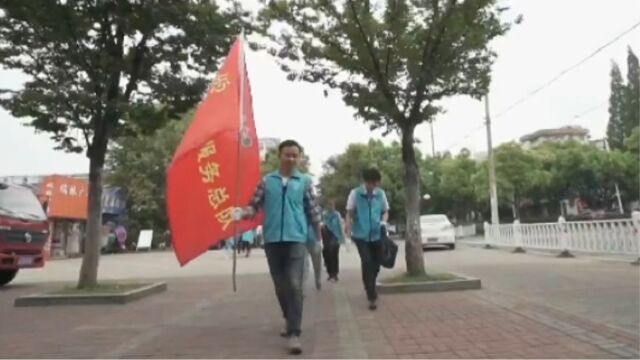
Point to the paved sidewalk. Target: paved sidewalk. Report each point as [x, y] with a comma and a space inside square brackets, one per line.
[203, 318]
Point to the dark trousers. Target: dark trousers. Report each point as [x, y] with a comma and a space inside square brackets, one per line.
[331, 255]
[370, 252]
[286, 265]
[244, 246]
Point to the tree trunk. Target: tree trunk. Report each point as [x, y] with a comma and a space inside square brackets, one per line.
[89, 269]
[413, 243]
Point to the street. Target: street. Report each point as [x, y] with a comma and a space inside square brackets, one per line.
[530, 306]
[600, 290]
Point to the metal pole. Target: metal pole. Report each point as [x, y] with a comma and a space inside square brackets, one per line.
[433, 143]
[493, 191]
[618, 197]
[241, 69]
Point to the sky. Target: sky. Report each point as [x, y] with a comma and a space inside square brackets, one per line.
[553, 36]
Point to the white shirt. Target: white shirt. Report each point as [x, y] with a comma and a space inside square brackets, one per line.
[351, 201]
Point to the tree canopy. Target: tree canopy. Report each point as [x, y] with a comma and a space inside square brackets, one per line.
[624, 102]
[93, 66]
[393, 61]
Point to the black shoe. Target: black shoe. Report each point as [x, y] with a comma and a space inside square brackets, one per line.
[372, 305]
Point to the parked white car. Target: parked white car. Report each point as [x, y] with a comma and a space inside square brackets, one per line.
[437, 230]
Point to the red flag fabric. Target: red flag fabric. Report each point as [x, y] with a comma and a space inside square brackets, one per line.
[205, 180]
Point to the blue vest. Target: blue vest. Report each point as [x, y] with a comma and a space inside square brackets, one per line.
[368, 214]
[332, 220]
[284, 214]
[248, 236]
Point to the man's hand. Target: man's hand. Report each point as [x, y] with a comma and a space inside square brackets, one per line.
[243, 213]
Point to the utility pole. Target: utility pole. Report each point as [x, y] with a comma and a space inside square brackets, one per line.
[433, 144]
[618, 197]
[493, 190]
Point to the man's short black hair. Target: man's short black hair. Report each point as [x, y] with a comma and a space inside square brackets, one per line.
[371, 175]
[288, 143]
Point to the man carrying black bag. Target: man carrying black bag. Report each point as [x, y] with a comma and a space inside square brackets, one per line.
[367, 212]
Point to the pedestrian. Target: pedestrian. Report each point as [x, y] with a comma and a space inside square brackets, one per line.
[332, 240]
[246, 241]
[121, 234]
[289, 205]
[367, 212]
[314, 250]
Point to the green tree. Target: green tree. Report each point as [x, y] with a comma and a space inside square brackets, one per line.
[94, 63]
[139, 162]
[393, 61]
[272, 162]
[632, 142]
[631, 182]
[616, 127]
[583, 170]
[481, 185]
[457, 184]
[632, 94]
[343, 172]
[519, 173]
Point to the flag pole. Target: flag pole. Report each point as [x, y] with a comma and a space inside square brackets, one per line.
[241, 68]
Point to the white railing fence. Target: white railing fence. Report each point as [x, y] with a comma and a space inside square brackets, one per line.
[465, 230]
[619, 237]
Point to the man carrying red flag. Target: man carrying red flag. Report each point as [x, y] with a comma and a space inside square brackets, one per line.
[289, 205]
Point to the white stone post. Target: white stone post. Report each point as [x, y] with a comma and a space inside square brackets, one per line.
[488, 235]
[517, 236]
[563, 236]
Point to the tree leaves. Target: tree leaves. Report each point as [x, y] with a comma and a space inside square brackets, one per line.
[624, 102]
[392, 60]
[92, 63]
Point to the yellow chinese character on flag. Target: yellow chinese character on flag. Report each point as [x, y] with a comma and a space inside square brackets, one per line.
[225, 217]
[217, 197]
[220, 83]
[209, 172]
[209, 149]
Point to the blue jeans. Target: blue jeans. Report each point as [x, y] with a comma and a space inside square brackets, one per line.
[286, 265]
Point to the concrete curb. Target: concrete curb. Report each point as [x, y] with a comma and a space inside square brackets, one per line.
[464, 283]
[47, 299]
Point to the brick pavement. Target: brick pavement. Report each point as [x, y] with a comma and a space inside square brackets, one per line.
[203, 318]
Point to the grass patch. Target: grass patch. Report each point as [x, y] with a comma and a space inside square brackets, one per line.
[429, 277]
[99, 289]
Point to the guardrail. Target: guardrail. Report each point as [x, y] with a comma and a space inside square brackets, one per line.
[616, 237]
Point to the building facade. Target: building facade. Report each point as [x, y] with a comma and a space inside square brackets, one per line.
[565, 133]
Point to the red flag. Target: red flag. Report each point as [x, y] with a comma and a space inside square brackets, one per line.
[205, 181]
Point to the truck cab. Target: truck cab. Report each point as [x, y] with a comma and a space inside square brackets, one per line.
[23, 231]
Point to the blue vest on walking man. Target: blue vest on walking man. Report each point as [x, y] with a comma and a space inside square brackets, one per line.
[367, 211]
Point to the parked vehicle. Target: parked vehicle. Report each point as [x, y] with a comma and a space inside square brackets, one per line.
[23, 231]
[437, 230]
